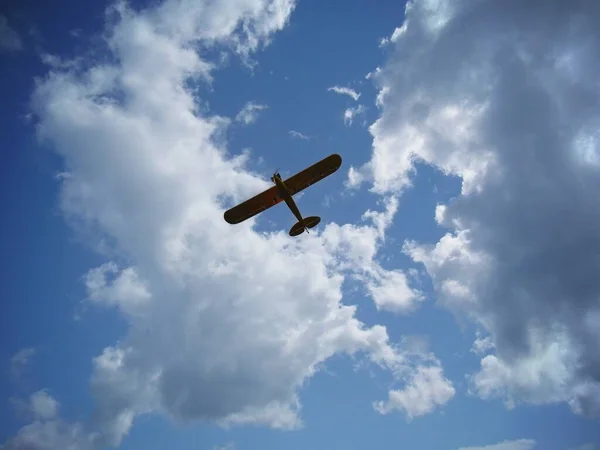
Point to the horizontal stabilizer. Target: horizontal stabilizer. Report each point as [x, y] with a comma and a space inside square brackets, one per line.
[300, 227]
[312, 221]
[297, 229]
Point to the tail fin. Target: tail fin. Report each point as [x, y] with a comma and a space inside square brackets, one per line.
[309, 222]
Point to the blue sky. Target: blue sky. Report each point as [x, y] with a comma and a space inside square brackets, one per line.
[463, 316]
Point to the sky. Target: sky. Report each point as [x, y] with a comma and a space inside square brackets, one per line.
[448, 300]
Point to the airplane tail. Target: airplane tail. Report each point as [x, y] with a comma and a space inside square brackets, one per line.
[309, 222]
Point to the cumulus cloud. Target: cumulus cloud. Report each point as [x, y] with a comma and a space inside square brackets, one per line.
[505, 95]
[48, 431]
[43, 405]
[426, 389]
[351, 113]
[9, 38]
[355, 249]
[355, 178]
[40, 405]
[345, 91]
[49, 435]
[209, 336]
[125, 290]
[519, 444]
[249, 113]
[481, 344]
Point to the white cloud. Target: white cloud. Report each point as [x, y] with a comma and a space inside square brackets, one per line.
[49, 435]
[20, 360]
[355, 178]
[426, 389]
[355, 248]
[47, 431]
[9, 38]
[534, 377]
[345, 91]
[43, 405]
[482, 345]
[298, 135]
[371, 74]
[126, 291]
[391, 291]
[40, 406]
[249, 113]
[508, 101]
[519, 444]
[351, 113]
[209, 336]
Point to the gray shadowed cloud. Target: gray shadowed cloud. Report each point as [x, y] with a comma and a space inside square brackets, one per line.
[506, 96]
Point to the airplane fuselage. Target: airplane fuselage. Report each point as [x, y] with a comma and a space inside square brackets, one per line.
[284, 191]
[287, 197]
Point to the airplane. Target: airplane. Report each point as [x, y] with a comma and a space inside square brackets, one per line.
[284, 191]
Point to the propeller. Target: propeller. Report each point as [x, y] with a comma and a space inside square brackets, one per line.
[276, 173]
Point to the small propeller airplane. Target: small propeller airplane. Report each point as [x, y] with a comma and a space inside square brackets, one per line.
[284, 191]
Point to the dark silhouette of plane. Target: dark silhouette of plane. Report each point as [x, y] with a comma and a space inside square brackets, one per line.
[284, 191]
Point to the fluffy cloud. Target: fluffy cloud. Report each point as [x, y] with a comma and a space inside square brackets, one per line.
[249, 113]
[351, 113]
[40, 405]
[519, 444]
[426, 389]
[9, 38]
[345, 91]
[49, 435]
[219, 328]
[48, 432]
[355, 249]
[43, 405]
[482, 344]
[505, 95]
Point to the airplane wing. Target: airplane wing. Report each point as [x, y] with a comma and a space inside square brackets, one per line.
[253, 206]
[314, 173]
